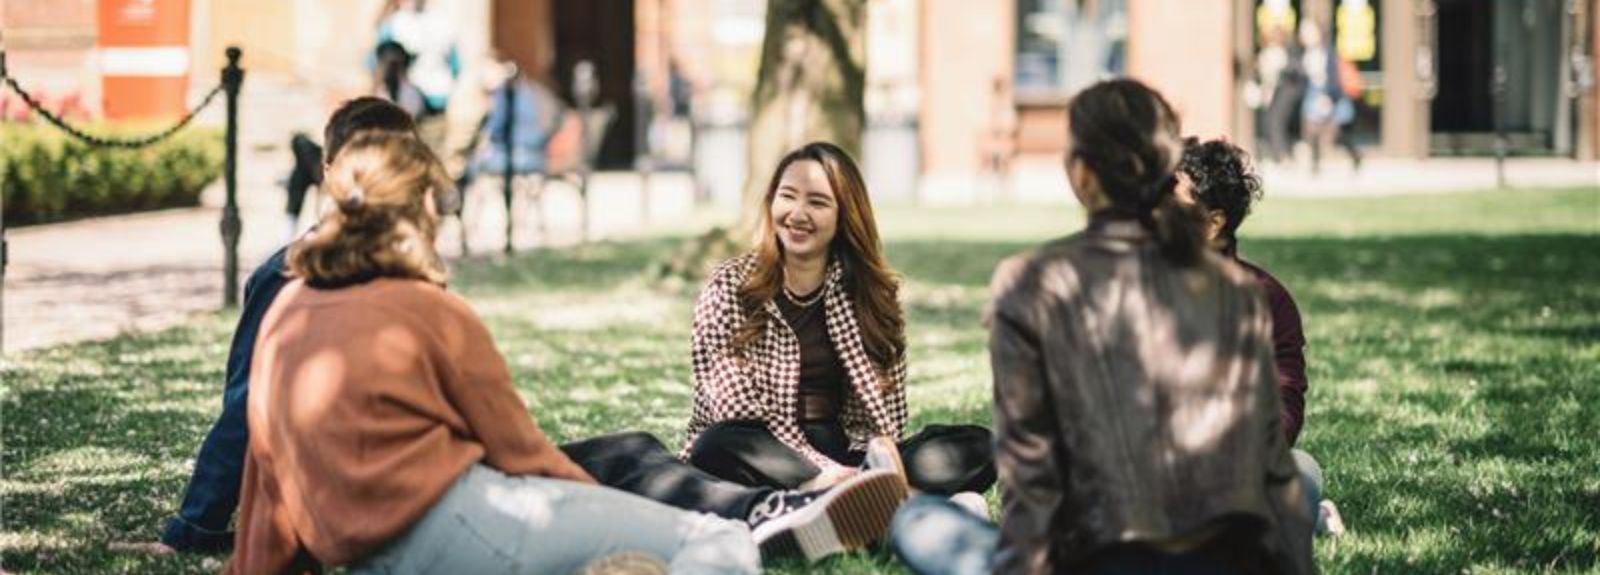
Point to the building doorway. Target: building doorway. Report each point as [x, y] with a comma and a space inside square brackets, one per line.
[602, 32]
[1513, 49]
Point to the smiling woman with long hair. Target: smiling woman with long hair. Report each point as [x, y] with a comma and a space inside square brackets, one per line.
[799, 349]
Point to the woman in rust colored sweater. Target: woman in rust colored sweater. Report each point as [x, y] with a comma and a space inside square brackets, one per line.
[385, 433]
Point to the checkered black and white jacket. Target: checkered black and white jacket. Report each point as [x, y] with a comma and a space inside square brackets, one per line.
[762, 383]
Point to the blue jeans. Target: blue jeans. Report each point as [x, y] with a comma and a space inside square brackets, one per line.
[1311, 478]
[935, 537]
[213, 492]
[489, 522]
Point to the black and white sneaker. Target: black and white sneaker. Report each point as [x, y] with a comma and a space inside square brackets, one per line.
[851, 515]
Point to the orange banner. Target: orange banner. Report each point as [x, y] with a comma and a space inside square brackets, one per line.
[144, 58]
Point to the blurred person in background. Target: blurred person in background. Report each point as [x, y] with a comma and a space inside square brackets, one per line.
[1279, 88]
[999, 144]
[427, 36]
[307, 172]
[535, 115]
[1325, 107]
[393, 80]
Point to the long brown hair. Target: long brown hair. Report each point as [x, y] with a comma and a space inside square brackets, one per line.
[384, 223]
[1128, 136]
[870, 282]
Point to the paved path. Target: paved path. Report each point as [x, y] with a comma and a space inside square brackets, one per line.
[1042, 180]
[94, 279]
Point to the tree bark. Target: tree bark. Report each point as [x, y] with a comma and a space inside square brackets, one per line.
[812, 79]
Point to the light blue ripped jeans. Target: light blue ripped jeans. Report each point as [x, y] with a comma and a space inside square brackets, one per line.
[489, 522]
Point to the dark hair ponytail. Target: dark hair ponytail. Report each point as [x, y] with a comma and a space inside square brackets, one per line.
[1128, 135]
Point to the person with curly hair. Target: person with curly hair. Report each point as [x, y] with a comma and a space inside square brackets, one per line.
[1219, 178]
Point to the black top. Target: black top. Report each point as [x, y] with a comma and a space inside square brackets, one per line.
[822, 375]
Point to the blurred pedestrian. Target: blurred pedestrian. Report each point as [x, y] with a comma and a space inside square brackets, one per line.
[533, 113]
[1325, 107]
[1281, 84]
[999, 144]
[307, 172]
[1353, 88]
[428, 37]
[393, 80]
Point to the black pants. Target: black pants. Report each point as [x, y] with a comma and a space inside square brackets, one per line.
[941, 459]
[307, 171]
[637, 463]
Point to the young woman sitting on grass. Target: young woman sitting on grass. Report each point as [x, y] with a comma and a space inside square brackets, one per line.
[799, 351]
[384, 430]
[1136, 411]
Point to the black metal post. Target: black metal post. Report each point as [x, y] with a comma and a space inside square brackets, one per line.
[4, 247]
[585, 87]
[232, 78]
[1501, 146]
[643, 158]
[507, 175]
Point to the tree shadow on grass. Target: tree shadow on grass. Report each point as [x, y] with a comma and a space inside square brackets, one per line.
[1581, 334]
[97, 438]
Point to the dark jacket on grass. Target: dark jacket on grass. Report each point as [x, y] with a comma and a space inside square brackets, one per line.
[1135, 403]
[1288, 347]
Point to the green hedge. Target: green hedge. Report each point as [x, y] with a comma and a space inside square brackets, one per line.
[49, 176]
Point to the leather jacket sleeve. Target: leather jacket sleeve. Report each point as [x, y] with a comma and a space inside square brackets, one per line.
[1025, 429]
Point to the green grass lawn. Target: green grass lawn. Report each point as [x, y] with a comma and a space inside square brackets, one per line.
[1454, 349]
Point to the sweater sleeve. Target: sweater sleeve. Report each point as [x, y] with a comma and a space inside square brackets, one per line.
[722, 385]
[479, 385]
[1289, 359]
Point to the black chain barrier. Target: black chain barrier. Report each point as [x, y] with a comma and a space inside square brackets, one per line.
[232, 79]
[104, 141]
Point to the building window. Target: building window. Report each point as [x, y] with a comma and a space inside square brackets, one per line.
[1065, 45]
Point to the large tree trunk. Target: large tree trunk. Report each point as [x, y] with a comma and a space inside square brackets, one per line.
[812, 78]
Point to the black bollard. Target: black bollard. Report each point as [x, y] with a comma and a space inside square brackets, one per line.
[4, 247]
[507, 175]
[643, 157]
[232, 78]
[585, 88]
[1497, 90]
